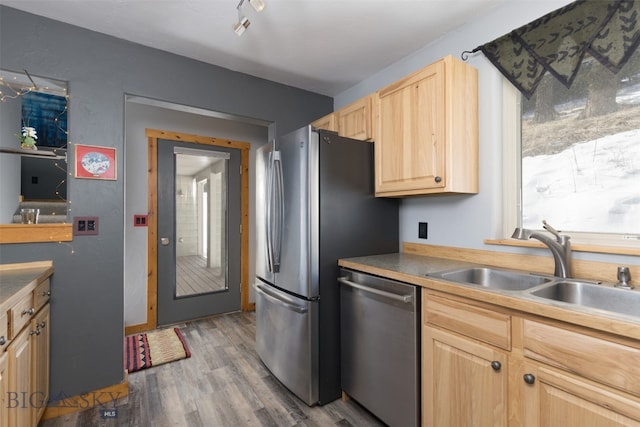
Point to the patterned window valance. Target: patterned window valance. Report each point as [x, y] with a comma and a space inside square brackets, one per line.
[558, 42]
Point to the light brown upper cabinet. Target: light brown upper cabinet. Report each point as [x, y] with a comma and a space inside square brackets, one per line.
[426, 134]
[355, 120]
[352, 121]
[327, 122]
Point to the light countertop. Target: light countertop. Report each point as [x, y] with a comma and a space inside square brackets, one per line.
[414, 269]
[16, 280]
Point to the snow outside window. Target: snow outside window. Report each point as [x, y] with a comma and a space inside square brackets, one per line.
[580, 154]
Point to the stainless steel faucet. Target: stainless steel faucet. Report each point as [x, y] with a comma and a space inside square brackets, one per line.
[560, 247]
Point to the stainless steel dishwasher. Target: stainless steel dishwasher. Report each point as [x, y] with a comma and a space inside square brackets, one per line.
[380, 346]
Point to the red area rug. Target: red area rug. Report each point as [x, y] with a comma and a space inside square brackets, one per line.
[142, 351]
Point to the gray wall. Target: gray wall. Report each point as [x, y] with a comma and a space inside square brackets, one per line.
[87, 306]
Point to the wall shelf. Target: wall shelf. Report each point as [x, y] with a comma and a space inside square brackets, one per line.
[32, 233]
[47, 154]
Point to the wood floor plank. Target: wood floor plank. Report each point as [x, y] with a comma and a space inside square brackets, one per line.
[194, 277]
[223, 384]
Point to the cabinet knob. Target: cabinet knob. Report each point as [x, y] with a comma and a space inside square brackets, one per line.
[438, 178]
[529, 378]
[46, 293]
[495, 365]
[29, 311]
[36, 332]
[3, 340]
[42, 325]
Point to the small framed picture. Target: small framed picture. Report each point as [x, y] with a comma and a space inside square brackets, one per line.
[94, 162]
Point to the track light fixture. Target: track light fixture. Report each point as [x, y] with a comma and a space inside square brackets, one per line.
[258, 5]
[243, 22]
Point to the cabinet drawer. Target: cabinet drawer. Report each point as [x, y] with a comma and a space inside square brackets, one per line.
[41, 294]
[4, 331]
[20, 314]
[474, 322]
[600, 360]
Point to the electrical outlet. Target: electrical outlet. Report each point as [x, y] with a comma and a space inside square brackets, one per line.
[423, 228]
[85, 225]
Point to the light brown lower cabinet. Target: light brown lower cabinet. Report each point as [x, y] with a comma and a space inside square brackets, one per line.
[486, 365]
[40, 341]
[465, 381]
[24, 366]
[4, 388]
[19, 394]
[556, 398]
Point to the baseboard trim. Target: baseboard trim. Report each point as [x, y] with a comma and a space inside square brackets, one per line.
[146, 327]
[98, 398]
[137, 329]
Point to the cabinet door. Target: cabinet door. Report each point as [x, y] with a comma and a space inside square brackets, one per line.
[553, 398]
[4, 388]
[40, 342]
[609, 362]
[355, 120]
[19, 394]
[410, 137]
[464, 382]
[327, 122]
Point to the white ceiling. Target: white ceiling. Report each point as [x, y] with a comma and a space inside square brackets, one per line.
[325, 46]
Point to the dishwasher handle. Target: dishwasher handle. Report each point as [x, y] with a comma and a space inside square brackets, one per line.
[403, 298]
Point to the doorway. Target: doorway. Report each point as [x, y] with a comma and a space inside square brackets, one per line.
[198, 210]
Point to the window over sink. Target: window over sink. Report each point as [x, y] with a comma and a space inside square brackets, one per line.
[577, 155]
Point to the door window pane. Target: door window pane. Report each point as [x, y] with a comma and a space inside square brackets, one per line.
[201, 237]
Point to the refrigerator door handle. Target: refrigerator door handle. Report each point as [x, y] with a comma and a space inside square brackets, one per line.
[276, 235]
[269, 214]
[276, 299]
[396, 297]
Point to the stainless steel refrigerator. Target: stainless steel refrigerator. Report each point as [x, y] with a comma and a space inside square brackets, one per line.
[314, 204]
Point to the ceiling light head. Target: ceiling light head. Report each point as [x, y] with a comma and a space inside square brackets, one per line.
[258, 5]
[242, 24]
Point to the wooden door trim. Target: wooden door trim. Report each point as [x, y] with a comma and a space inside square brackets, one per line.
[153, 135]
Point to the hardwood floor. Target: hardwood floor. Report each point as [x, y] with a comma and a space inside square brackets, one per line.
[193, 276]
[223, 384]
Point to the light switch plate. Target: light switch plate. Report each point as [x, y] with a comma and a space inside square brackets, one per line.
[140, 220]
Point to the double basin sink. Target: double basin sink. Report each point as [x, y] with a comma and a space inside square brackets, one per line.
[572, 291]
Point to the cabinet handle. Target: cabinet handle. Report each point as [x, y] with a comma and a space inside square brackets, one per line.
[529, 378]
[496, 365]
[29, 311]
[3, 340]
[36, 332]
[438, 178]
